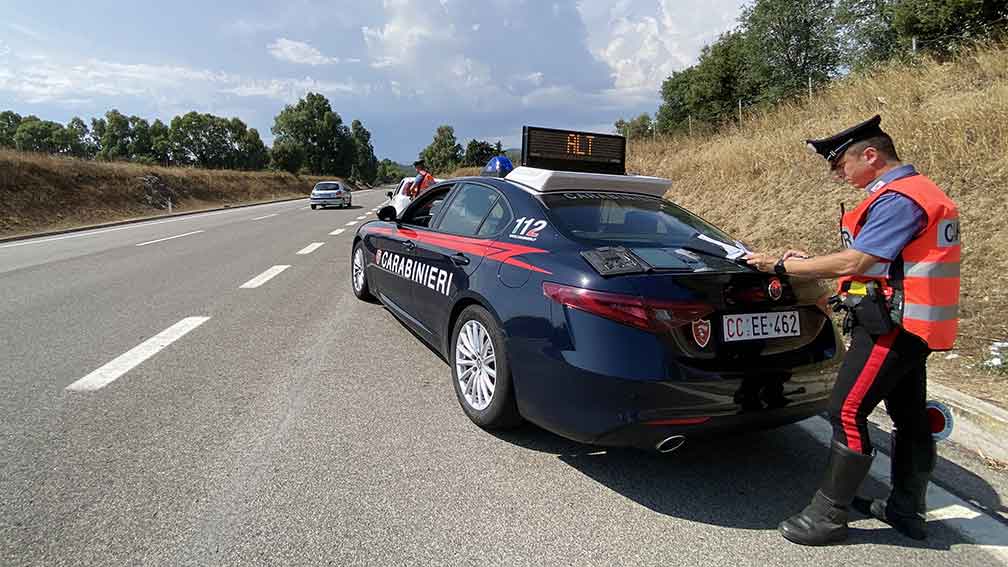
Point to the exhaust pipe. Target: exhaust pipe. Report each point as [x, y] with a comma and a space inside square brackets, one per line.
[670, 444]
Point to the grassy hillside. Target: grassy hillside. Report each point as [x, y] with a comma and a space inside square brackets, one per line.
[39, 192]
[950, 120]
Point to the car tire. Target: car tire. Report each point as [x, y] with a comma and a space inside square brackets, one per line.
[496, 409]
[313, 207]
[358, 273]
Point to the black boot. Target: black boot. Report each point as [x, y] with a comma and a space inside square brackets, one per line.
[824, 520]
[912, 464]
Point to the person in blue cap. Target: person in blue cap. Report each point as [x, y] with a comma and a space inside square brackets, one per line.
[498, 166]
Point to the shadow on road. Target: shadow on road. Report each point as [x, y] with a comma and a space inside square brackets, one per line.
[748, 481]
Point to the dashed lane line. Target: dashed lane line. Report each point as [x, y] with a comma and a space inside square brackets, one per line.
[351, 223]
[169, 238]
[266, 216]
[362, 217]
[310, 248]
[337, 232]
[133, 357]
[263, 277]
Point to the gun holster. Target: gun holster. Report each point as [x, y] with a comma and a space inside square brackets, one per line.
[871, 311]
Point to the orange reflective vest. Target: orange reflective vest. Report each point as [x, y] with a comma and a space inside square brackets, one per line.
[929, 271]
[425, 182]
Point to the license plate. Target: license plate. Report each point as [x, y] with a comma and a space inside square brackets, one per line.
[751, 326]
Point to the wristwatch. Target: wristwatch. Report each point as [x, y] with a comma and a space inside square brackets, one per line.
[779, 268]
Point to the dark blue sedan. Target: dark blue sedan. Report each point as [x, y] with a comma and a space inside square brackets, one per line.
[592, 307]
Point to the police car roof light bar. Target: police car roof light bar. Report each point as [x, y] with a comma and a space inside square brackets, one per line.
[545, 180]
[569, 150]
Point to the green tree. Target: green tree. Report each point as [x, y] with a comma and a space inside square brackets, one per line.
[115, 139]
[9, 122]
[161, 144]
[867, 35]
[789, 41]
[140, 145]
[365, 166]
[388, 171]
[77, 133]
[98, 126]
[287, 156]
[478, 153]
[253, 153]
[940, 26]
[636, 128]
[325, 141]
[444, 153]
[36, 135]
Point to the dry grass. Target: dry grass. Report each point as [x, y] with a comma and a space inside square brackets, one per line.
[464, 172]
[950, 120]
[40, 192]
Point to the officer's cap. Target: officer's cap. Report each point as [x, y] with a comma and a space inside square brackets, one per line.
[833, 147]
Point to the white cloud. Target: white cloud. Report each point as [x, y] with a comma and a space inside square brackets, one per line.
[642, 47]
[25, 30]
[298, 52]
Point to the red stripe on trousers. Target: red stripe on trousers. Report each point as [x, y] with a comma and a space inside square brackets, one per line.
[851, 405]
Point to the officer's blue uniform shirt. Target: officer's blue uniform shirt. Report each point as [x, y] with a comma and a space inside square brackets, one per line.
[893, 219]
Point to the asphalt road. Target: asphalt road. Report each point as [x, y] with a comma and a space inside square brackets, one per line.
[290, 423]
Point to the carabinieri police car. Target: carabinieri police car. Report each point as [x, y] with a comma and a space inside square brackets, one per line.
[574, 296]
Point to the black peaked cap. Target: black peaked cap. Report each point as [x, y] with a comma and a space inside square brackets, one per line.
[833, 147]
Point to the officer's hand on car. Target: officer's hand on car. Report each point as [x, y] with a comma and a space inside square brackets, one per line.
[762, 261]
[795, 254]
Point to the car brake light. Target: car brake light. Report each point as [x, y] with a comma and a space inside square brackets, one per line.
[659, 316]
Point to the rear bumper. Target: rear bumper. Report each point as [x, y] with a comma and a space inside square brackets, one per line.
[329, 201]
[601, 405]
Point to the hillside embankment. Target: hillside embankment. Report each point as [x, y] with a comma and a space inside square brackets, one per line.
[40, 192]
[760, 183]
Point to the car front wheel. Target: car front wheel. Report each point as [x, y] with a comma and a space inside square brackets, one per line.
[358, 273]
[480, 371]
[313, 207]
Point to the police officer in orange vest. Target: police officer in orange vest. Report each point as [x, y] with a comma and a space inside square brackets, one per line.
[899, 285]
[423, 179]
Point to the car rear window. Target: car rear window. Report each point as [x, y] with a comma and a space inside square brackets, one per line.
[626, 218]
[327, 186]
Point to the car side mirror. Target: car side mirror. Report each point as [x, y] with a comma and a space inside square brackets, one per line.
[389, 193]
[387, 213]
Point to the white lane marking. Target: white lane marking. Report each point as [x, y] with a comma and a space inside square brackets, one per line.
[266, 216]
[987, 533]
[362, 217]
[169, 238]
[310, 248]
[263, 277]
[337, 232]
[118, 228]
[351, 223]
[306, 207]
[133, 357]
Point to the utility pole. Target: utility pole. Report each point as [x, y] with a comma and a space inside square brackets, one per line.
[810, 88]
[689, 118]
[913, 45]
[740, 113]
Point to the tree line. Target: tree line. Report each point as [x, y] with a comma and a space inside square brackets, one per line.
[310, 138]
[784, 48]
[445, 154]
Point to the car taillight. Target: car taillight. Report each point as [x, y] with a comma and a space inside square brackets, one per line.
[659, 316]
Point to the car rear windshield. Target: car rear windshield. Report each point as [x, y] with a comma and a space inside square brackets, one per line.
[327, 187]
[623, 218]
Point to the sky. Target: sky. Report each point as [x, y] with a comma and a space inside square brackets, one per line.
[402, 67]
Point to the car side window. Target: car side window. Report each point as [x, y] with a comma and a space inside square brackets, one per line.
[426, 207]
[498, 219]
[467, 209]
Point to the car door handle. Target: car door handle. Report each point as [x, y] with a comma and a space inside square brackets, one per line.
[409, 245]
[460, 259]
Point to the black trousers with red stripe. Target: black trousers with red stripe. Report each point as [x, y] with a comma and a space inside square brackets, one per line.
[888, 367]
